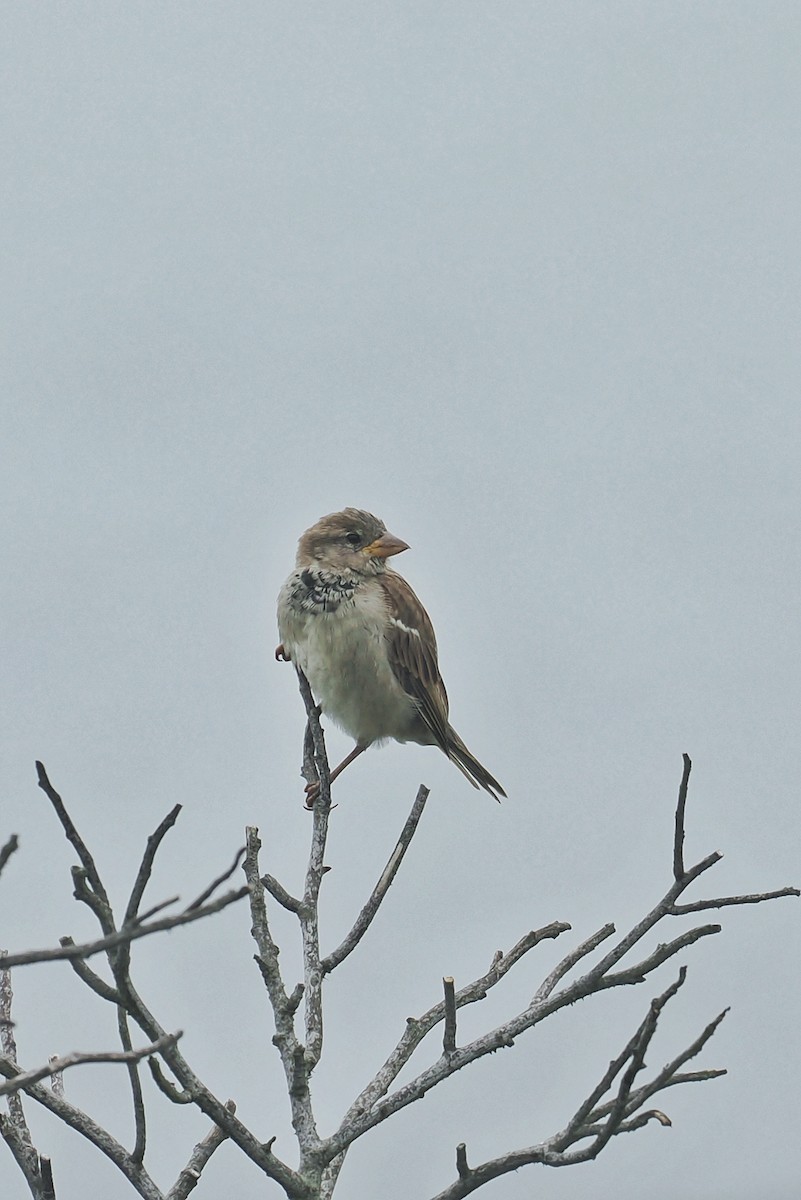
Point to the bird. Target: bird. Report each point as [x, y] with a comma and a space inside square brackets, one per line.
[365, 643]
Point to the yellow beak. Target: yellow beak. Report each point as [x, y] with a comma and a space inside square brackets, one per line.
[385, 546]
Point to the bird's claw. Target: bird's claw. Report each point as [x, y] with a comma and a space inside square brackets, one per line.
[281, 654]
[312, 791]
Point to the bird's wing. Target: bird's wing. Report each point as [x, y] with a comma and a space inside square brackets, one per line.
[412, 648]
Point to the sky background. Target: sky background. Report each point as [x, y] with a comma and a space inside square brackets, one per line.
[523, 280]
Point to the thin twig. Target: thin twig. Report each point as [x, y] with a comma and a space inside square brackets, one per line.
[21, 1080]
[678, 838]
[98, 901]
[142, 917]
[140, 1122]
[88, 976]
[279, 893]
[215, 883]
[122, 936]
[366, 916]
[569, 961]
[679, 910]
[7, 850]
[665, 950]
[175, 1094]
[146, 866]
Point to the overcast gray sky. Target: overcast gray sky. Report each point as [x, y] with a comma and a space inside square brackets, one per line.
[522, 279]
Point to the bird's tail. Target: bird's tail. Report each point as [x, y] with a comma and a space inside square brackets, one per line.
[470, 766]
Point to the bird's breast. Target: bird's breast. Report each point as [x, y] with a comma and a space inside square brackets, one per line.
[343, 653]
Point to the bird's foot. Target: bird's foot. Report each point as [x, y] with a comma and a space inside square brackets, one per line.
[312, 796]
[281, 654]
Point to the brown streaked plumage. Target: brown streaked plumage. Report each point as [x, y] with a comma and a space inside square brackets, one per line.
[365, 642]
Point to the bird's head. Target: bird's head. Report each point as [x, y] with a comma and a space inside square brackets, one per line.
[351, 540]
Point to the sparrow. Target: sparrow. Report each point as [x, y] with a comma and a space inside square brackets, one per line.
[365, 643]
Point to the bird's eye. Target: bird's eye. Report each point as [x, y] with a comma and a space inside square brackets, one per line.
[355, 539]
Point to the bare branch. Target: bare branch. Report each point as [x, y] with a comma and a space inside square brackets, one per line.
[365, 917]
[21, 1080]
[122, 936]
